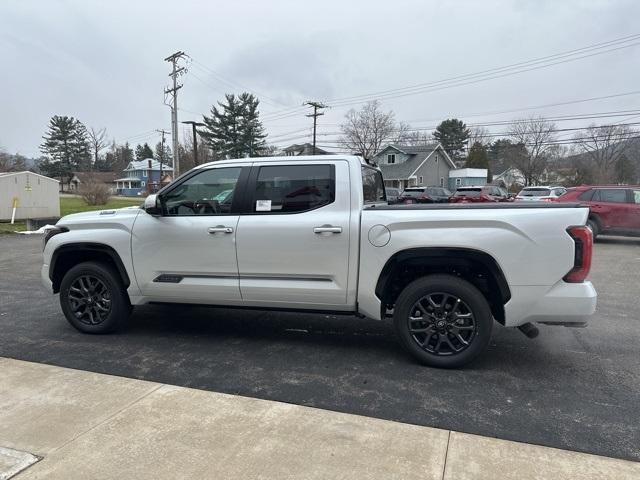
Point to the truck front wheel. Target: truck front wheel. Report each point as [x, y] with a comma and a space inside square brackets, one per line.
[443, 321]
[93, 298]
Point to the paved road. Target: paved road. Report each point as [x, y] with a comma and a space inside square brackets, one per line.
[577, 389]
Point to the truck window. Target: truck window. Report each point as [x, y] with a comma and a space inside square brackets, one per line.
[210, 192]
[372, 186]
[293, 188]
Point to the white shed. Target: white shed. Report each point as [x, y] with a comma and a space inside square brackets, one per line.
[36, 196]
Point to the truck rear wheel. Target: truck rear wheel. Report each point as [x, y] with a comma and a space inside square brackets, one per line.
[93, 298]
[443, 321]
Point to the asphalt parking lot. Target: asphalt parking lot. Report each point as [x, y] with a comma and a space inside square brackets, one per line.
[576, 389]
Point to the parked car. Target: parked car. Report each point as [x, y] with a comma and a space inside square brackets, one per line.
[425, 195]
[540, 194]
[315, 233]
[613, 209]
[485, 193]
[393, 194]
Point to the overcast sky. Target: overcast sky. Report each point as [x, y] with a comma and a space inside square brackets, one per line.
[102, 61]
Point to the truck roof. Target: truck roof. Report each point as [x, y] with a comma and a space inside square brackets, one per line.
[284, 158]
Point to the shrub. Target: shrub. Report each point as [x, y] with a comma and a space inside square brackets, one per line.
[95, 193]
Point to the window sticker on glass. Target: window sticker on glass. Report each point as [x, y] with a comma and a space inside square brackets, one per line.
[263, 205]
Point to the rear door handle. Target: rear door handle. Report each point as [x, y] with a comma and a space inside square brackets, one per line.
[327, 229]
[219, 229]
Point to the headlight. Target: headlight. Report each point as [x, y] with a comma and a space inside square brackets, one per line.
[50, 233]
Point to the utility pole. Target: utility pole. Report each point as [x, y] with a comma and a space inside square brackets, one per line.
[162, 132]
[195, 139]
[316, 106]
[173, 95]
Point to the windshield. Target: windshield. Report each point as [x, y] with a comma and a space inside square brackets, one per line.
[535, 192]
[468, 192]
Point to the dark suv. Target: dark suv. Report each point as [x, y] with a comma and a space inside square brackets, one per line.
[613, 209]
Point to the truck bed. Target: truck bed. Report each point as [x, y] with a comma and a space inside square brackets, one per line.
[473, 206]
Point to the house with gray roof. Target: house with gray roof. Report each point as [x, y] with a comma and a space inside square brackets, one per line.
[408, 166]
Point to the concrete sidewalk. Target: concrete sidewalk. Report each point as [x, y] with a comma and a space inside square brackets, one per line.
[90, 426]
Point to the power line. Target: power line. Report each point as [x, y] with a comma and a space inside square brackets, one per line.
[233, 84]
[499, 72]
[535, 107]
[562, 118]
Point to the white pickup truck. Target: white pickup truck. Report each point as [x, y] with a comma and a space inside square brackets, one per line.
[316, 234]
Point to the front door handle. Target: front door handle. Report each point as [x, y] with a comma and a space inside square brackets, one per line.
[219, 229]
[327, 229]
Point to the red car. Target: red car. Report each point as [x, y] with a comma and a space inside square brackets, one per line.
[613, 209]
[485, 193]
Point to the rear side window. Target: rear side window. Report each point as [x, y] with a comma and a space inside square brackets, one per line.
[586, 196]
[293, 188]
[636, 196]
[372, 186]
[612, 195]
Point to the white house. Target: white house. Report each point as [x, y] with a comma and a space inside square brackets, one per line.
[511, 177]
[35, 196]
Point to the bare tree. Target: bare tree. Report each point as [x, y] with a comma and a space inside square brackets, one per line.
[602, 148]
[401, 134]
[417, 138]
[479, 135]
[364, 131]
[538, 137]
[98, 142]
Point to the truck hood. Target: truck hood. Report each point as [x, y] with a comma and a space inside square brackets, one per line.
[97, 218]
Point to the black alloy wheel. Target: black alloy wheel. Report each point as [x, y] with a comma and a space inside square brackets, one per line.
[442, 324]
[93, 298]
[443, 320]
[89, 300]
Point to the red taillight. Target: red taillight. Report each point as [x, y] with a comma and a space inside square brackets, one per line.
[583, 238]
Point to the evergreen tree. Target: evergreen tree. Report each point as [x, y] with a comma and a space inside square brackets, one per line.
[143, 152]
[477, 157]
[234, 129]
[452, 134]
[253, 135]
[164, 156]
[503, 154]
[66, 148]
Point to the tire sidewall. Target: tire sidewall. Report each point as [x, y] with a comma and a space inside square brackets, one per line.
[592, 223]
[119, 301]
[455, 286]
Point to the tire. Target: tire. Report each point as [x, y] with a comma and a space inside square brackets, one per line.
[592, 223]
[451, 312]
[93, 298]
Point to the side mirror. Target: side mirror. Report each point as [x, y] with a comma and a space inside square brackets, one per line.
[152, 205]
